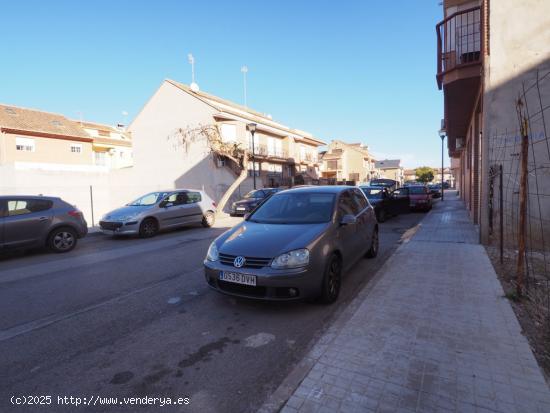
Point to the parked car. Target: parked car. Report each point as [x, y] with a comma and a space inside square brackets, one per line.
[420, 198]
[160, 210]
[295, 245]
[387, 183]
[381, 199]
[251, 200]
[36, 221]
[435, 190]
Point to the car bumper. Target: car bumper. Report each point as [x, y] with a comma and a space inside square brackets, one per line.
[239, 212]
[420, 205]
[119, 228]
[271, 285]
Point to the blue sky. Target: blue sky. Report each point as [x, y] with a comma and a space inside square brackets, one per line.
[352, 70]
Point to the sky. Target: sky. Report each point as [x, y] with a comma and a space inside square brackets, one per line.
[358, 71]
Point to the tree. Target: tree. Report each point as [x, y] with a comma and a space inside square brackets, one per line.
[231, 152]
[424, 174]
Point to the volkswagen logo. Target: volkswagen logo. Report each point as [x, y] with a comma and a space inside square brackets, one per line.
[239, 262]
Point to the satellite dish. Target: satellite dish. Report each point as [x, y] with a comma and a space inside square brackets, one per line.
[194, 87]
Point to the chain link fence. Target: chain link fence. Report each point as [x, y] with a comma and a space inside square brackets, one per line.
[519, 199]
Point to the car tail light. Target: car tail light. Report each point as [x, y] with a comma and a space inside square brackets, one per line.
[75, 213]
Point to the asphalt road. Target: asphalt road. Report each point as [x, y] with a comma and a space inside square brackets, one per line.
[133, 317]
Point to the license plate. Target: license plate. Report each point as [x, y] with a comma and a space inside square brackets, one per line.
[240, 209]
[238, 278]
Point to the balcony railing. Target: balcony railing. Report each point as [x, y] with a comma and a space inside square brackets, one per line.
[458, 41]
[264, 150]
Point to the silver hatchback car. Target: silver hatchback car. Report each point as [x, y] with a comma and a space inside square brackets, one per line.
[295, 245]
[36, 221]
[160, 210]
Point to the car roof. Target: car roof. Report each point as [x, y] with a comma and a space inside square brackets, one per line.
[372, 187]
[178, 190]
[49, 198]
[334, 189]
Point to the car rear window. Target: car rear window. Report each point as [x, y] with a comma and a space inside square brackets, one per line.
[417, 190]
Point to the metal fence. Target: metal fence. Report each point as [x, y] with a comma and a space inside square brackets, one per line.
[519, 198]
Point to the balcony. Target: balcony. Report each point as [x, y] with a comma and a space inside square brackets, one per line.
[266, 152]
[459, 46]
[459, 69]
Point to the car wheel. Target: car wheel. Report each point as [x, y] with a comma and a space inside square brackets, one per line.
[373, 250]
[332, 280]
[62, 239]
[149, 228]
[208, 219]
[382, 216]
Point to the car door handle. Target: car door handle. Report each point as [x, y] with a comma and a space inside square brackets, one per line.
[42, 218]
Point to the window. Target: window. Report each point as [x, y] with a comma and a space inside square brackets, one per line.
[229, 132]
[279, 148]
[100, 158]
[271, 146]
[346, 205]
[24, 144]
[27, 206]
[193, 197]
[295, 208]
[256, 141]
[303, 153]
[332, 165]
[360, 199]
[76, 148]
[354, 177]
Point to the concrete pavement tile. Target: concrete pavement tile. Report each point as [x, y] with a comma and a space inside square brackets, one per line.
[295, 402]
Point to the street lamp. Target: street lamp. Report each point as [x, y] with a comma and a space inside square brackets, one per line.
[251, 127]
[442, 134]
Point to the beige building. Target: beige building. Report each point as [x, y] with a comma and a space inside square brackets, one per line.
[348, 162]
[41, 140]
[391, 169]
[490, 54]
[163, 160]
[112, 146]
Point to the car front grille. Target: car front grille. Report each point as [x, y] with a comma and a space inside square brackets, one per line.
[252, 291]
[250, 262]
[110, 226]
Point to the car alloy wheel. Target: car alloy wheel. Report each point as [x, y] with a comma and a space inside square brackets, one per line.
[148, 228]
[62, 240]
[332, 280]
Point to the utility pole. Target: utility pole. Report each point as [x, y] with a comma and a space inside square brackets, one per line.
[244, 71]
[191, 60]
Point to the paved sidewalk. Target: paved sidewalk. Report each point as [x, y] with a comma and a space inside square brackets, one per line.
[433, 335]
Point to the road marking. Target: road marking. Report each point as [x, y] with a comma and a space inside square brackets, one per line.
[174, 300]
[46, 321]
[258, 340]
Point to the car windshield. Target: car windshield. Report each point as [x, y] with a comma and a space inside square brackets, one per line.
[149, 199]
[417, 190]
[254, 194]
[295, 208]
[373, 193]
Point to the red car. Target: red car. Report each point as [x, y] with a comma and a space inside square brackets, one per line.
[420, 198]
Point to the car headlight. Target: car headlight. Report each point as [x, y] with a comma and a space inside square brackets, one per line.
[125, 218]
[292, 259]
[212, 254]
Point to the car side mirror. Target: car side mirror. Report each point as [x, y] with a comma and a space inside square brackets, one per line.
[348, 220]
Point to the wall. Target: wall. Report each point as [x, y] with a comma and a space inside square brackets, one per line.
[47, 150]
[517, 66]
[160, 157]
